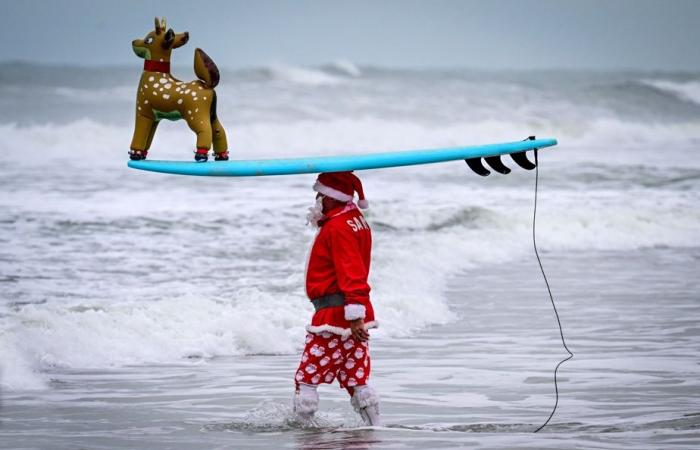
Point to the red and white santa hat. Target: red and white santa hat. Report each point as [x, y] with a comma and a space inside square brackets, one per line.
[341, 186]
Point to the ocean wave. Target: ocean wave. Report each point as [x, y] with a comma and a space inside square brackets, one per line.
[142, 268]
[426, 238]
[301, 75]
[90, 95]
[604, 140]
[684, 90]
[343, 67]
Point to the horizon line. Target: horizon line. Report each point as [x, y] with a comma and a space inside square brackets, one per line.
[370, 66]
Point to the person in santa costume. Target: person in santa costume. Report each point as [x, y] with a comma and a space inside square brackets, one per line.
[337, 343]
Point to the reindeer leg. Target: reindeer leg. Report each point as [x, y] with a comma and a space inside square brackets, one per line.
[220, 142]
[140, 141]
[204, 137]
[151, 134]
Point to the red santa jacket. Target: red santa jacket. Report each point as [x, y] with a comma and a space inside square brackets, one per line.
[339, 263]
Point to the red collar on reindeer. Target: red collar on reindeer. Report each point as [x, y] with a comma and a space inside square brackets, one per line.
[156, 66]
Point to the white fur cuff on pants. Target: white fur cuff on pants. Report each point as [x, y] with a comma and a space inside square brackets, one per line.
[354, 311]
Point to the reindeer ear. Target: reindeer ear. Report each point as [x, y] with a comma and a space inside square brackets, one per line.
[181, 39]
[158, 27]
[168, 39]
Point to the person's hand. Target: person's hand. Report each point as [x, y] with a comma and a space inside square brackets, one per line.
[357, 327]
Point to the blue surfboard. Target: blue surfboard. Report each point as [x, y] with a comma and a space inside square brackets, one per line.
[289, 166]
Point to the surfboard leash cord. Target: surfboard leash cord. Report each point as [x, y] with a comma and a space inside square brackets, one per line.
[551, 298]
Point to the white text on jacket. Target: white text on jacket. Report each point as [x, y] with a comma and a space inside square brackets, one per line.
[357, 223]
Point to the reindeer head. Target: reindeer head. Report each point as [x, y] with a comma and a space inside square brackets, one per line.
[158, 44]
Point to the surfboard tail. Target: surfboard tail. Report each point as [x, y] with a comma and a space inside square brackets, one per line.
[495, 162]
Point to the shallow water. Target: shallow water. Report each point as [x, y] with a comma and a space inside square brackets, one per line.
[483, 380]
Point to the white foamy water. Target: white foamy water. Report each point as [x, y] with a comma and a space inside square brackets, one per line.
[687, 90]
[103, 268]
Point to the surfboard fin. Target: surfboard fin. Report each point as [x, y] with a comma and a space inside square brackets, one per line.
[476, 165]
[520, 159]
[493, 161]
[497, 165]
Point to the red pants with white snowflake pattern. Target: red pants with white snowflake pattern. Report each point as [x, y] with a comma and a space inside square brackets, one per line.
[328, 356]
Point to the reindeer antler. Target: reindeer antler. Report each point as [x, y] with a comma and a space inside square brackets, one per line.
[160, 25]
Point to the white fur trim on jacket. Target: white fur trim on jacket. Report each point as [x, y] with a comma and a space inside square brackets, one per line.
[354, 311]
[344, 332]
[333, 193]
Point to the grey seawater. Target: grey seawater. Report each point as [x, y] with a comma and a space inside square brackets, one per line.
[483, 380]
[148, 311]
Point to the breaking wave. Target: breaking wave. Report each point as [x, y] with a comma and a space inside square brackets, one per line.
[685, 90]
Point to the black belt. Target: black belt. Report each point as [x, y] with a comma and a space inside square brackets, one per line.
[328, 301]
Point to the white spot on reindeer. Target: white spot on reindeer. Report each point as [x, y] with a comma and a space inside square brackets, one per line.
[179, 102]
[166, 96]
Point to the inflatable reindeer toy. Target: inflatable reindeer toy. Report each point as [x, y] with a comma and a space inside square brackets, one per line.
[161, 96]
